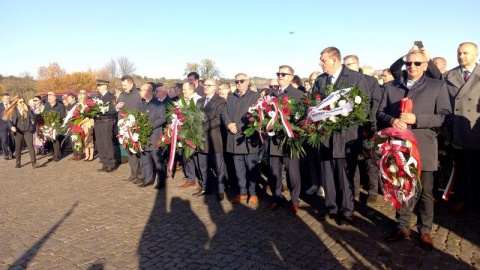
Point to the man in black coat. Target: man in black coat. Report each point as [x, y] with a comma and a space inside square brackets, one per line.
[430, 107]
[280, 156]
[152, 161]
[244, 150]
[103, 127]
[129, 100]
[211, 157]
[339, 152]
[6, 135]
[57, 106]
[194, 78]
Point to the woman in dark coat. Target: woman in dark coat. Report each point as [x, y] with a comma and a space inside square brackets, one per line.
[21, 122]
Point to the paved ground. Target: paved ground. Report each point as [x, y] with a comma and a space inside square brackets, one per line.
[65, 215]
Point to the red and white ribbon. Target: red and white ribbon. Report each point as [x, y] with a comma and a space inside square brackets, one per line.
[173, 133]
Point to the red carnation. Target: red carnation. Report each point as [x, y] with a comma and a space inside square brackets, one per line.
[264, 104]
[89, 102]
[284, 100]
[318, 97]
[310, 130]
[268, 109]
[250, 119]
[304, 122]
[87, 109]
[286, 110]
[248, 115]
[327, 108]
[179, 127]
[306, 101]
[274, 99]
[176, 111]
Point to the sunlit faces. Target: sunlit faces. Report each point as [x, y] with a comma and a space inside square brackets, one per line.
[415, 65]
[6, 99]
[241, 83]
[351, 64]
[440, 64]
[386, 76]
[146, 92]
[284, 77]
[70, 99]
[328, 63]
[209, 87]
[223, 90]
[466, 55]
[51, 97]
[127, 85]
[188, 90]
[191, 79]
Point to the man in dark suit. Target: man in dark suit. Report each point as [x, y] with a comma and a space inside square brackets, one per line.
[57, 106]
[103, 127]
[280, 156]
[130, 100]
[69, 109]
[244, 150]
[152, 161]
[367, 164]
[339, 152]
[430, 108]
[211, 157]
[194, 78]
[6, 135]
[463, 83]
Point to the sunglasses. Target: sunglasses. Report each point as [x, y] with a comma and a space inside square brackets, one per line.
[282, 74]
[208, 85]
[408, 64]
[239, 81]
[36, 100]
[273, 86]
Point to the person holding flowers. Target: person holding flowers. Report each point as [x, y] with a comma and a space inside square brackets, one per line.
[152, 160]
[280, 155]
[21, 121]
[55, 106]
[87, 125]
[430, 107]
[244, 150]
[340, 150]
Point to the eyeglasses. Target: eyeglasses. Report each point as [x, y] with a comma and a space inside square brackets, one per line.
[273, 86]
[417, 63]
[20, 102]
[36, 100]
[98, 85]
[349, 64]
[283, 74]
[239, 81]
[208, 85]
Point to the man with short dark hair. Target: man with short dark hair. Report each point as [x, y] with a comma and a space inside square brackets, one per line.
[386, 76]
[6, 135]
[130, 100]
[339, 152]
[194, 78]
[441, 64]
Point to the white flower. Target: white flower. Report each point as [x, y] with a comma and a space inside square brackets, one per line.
[120, 140]
[297, 116]
[333, 105]
[271, 114]
[103, 109]
[179, 144]
[333, 119]
[393, 168]
[132, 150]
[271, 133]
[251, 109]
[341, 102]
[120, 122]
[345, 114]
[135, 137]
[358, 100]
[131, 118]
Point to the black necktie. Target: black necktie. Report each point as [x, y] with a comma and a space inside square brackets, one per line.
[329, 79]
[206, 101]
[466, 76]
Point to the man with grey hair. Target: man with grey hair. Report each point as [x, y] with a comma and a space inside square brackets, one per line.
[441, 64]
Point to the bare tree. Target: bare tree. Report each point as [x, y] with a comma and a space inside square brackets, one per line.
[112, 69]
[125, 66]
[208, 70]
[191, 67]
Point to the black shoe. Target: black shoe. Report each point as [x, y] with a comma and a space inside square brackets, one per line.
[346, 220]
[397, 236]
[160, 185]
[221, 197]
[324, 215]
[99, 170]
[145, 184]
[200, 193]
[109, 170]
[138, 181]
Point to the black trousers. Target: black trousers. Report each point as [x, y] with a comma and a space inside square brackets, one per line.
[338, 184]
[8, 138]
[136, 165]
[153, 166]
[209, 161]
[104, 142]
[28, 137]
[246, 169]
[467, 183]
[292, 166]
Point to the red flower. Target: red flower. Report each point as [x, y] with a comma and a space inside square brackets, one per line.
[268, 109]
[284, 100]
[310, 130]
[176, 111]
[179, 127]
[327, 108]
[401, 174]
[89, 102]
[286, 110]
[322, 131]
[304, 122]
[274, 99]
[250, 119]
[167, 141]
[318, 97]
[306, 101]
[248, 115]
[87, 109]
[190, 143]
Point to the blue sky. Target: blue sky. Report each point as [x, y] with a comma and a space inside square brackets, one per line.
[161, 37]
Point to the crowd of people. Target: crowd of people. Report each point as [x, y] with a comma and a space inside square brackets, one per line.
[443, 100]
